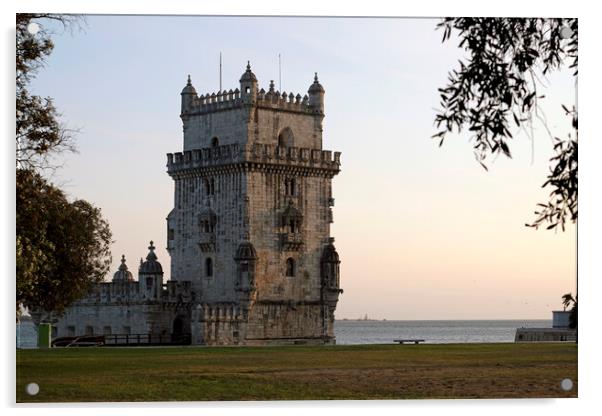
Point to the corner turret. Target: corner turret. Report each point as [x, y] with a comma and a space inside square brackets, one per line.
[248, 85]
[150, 275]
[188, 95]
[316, 95]
[123, 274]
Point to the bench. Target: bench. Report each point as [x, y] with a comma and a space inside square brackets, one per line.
[403, 341]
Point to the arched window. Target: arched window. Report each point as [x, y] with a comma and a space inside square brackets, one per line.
[286, 138]
[209, 186]
[209, 267]
[214, 142]
[290, 186]
[290, 267]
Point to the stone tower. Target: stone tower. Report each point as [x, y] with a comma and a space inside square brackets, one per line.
[250, 227]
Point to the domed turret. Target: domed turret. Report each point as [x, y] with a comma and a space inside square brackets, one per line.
[245, 251]
[248, 85]
[188, 95]
[248, 75]
[316, 95]
[150, 275]
[151, 265]
[330, 271]
[123, 274]
[330, 255]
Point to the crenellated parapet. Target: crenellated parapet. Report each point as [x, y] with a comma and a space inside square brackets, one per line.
[311, 103]
[209, 103]
[227, 100]
[276, 100]
[250, 155]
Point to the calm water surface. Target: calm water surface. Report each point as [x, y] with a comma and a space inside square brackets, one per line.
[435, 332]
[384, 332]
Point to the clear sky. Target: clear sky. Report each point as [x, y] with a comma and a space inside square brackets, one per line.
[423, 232]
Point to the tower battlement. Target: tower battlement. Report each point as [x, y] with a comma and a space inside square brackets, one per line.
[228, 100]
[191, 160]
[249, 114]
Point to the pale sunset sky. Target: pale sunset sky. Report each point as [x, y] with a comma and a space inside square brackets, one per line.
[423, 232]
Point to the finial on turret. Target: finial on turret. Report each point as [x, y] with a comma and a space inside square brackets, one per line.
[315, 87]
[189, 81]
[271, 85]
[248, 75]
[151, 247]
[123, 265]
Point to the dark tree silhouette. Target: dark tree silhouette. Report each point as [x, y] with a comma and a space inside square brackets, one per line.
[568, 301]
[497, 85]
[62, 247]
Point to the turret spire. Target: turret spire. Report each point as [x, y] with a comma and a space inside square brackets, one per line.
[123, 265]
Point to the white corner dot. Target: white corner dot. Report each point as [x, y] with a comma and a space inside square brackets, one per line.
[33, 28]
[566, 32]
[32, 389]
[566, 384]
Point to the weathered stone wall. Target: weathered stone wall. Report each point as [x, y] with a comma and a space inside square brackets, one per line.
[229, 126]
[267, 124]
[139, 318]
[267, 203]
[188, 259]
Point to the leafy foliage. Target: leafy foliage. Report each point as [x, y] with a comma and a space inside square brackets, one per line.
[498, 85]
[567, 301]
[39, 131]
[62, 246]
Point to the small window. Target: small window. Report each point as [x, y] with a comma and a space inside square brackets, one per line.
[170, 234]
[70, 331]
[290, 267]
[286, 138]
[89, 330]
[209, 267]
[214, 142]
[248, 90]
[149, 283]
[209, 186]
[127, 330]
[106, 330]
[290, 186]
[244, 266]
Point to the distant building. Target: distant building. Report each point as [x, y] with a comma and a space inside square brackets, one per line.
[560, 330]
[252, 259]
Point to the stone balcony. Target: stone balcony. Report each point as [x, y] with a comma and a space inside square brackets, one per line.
[207, 242]
[291, 241]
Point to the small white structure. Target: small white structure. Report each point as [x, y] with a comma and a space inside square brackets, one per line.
[560, 319]
[559, 332]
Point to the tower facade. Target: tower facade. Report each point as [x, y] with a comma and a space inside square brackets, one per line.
[250, 227]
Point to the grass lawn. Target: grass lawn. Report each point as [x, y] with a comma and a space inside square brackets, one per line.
[297, 372]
